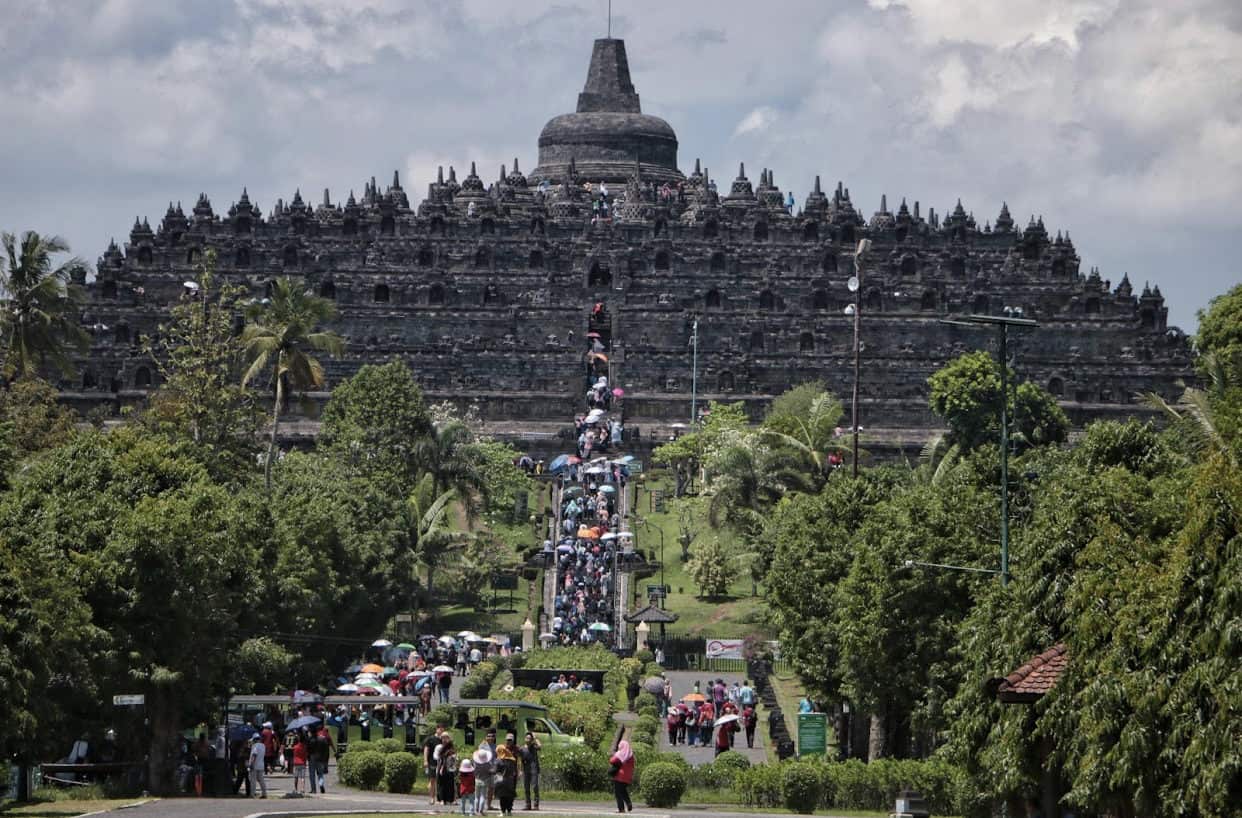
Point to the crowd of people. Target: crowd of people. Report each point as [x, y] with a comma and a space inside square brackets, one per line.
[590, 519]
[482, 777]
[709, 708]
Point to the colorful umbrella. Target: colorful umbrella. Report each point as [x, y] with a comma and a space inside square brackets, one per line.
[559, 462]
[406, 646]
[608, 489]
[600, 626]
[618, 392]
[372, 668]
[694, 697]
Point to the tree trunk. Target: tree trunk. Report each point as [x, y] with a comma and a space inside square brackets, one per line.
[271, 446]
[877, 739]
[163, 755]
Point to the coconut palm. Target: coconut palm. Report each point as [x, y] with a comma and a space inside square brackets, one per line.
[1196, 414]
[809, 437]
[449, 456]
[283, 329]
[427, 519]
[38, 316]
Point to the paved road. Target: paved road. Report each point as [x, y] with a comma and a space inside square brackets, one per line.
[683, 683]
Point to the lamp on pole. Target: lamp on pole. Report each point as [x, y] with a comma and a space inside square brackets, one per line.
[854, 309]
[694, 372]
[1011, 318]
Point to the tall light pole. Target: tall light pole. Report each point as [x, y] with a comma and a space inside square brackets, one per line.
[1011, 318]
[694, 373]
[855, 285]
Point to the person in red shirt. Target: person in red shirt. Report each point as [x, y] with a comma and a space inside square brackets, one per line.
[300, 757]
[724, 736]
[672, 721]
[707, 715]
[622, 762]
[465, 783]
[748, 723]
[268, 737]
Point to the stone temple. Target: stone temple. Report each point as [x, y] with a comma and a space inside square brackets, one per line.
[488, 289]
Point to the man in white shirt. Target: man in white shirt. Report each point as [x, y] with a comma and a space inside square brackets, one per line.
[257, 753]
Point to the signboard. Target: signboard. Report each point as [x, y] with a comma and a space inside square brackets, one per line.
[504, 581]
[655, 501]
[724, 648]
[635, 466]
[130, 699]
[812, 734]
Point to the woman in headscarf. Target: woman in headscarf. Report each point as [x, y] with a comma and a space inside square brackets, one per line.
[622, 762]
[506, 774]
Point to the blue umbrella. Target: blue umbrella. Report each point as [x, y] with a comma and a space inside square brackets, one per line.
[299, 723]
[353, 669]
[559, 462]
[421, 683]
[241, 732]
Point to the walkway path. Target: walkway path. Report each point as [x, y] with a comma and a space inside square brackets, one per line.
[683, 683]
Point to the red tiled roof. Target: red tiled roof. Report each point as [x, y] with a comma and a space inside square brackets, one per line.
[1035, 678]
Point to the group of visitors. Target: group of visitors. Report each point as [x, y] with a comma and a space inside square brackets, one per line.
[484, 776]
[693, 720]
[304, 753]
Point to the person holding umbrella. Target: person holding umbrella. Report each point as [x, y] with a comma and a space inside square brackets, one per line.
[726, 726]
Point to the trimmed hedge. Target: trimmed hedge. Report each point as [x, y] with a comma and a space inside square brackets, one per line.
[389, 745]
[663, 784]
[400, 772]
[576, 768]
[644, 656]
[855, 785]
[440, 714]
[800, 788]
[479, 683]
[361, 770]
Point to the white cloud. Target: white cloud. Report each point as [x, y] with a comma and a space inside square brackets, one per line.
[759, 119]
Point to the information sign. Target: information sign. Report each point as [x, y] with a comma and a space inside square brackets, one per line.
[129, 699]
[812, 734]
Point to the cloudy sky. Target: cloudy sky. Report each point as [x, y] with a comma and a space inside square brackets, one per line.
[1117, 120]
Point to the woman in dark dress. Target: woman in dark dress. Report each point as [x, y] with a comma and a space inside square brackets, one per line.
[446, 772]
[506, 774]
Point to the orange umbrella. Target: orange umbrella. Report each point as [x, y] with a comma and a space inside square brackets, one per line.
[694, 697]
[372, 668]
[588, 534]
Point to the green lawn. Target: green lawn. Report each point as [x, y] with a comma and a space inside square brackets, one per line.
[64, 807]
[735, 615]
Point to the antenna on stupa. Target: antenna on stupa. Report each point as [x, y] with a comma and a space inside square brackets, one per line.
[610, 19]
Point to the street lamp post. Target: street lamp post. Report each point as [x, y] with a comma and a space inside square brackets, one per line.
[855, 309]
[694, 373]
[1011, 318]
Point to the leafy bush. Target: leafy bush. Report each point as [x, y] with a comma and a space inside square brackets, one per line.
[645, 699]
[759, 786]
[585, 714]
[800, 788]
[400, 772]
[652, 669]
[517, 660]
[663, 784]
[388, 745]
[722, 772]
[647, 724]
[362, 747]
[441, 715]
[855, 785]
[732, 758]
[576, 768]
[644, 655]
[362, 770]
[479, 683]
[653, 712]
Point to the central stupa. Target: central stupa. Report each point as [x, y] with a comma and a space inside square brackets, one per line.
[609, 131]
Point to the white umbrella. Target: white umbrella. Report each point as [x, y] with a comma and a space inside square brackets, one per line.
[448, 640]
[381, 643]
[547, 636]
[726, 719]
[441, 669]
[466, 634]
[347, 688]
[626, 535]
[609, 536]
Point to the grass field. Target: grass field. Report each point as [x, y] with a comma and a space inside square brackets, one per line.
[53, 803]
[735, 615]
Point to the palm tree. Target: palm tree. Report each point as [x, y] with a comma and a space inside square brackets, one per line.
[449, 456]
[427, 516]
[281, 331]
[1196, 415]
[810, 438]
[38, 317]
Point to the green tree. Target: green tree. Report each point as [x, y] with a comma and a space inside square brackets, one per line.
[38, 318]
[30, 421]
[686, 454]
[198, 355]
[713, 568]
[262, 666]
[1220, 329]
[802, 425]
[431, 530]
[376, 419]
[278, 341]
[453, 460]
[965, 394]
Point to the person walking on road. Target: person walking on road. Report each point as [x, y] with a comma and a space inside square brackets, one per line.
[622, 762]
[258, 754]
[506, 774]
[748, 723]
[530, 768]
[429, 770]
